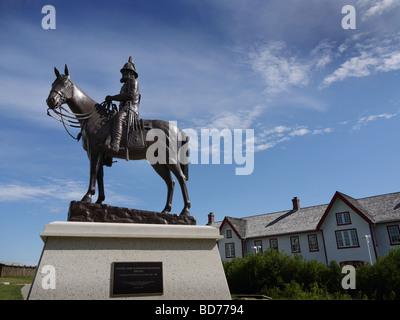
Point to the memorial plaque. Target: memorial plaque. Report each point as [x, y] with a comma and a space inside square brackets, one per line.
[136, 278]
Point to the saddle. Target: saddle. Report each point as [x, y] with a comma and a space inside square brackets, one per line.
[137, 134]
[135, 138]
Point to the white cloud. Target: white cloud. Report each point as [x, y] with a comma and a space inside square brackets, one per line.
[269, 138]
[323, 53]
[390, 62]
[322, 131]
[368, 57]
[279, 69]
[355, 67]
[299, 132]
[50, 189]
[364, 120]
[57, 189]
[241, 119]
[379, 7]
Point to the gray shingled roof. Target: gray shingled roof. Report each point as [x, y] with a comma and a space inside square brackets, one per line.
[383, 208]
[378, 209]
[304, 219]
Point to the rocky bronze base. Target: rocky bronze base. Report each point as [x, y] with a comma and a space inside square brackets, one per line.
[93, 212]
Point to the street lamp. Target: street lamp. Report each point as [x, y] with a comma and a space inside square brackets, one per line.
[256, 249]
[367, 238]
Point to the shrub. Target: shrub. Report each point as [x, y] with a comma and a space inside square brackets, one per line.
[279, 275]
[381, 280]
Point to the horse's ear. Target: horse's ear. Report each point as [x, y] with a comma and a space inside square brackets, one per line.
[66, 72]
[57, 73]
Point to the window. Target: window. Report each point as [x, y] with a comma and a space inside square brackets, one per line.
[347, 238]
[273, 243]
[229, 233]
[295, 244]
[343, 218]
[229, 250]
[313, 242]
[394, 234]
[258, 246]
[353, 263]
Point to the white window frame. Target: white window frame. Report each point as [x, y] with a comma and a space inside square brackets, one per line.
[347, 239]
[343, 218]
[295, 241]
[394, 234]
[313, 246]
[230, 250]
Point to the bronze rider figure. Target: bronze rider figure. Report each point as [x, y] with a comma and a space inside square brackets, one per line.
[129, 98]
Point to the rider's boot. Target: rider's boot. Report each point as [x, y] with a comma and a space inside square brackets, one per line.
[117, 131]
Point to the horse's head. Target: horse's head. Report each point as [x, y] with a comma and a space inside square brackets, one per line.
[61, 89]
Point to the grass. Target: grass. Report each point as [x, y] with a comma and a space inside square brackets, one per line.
[12, 291]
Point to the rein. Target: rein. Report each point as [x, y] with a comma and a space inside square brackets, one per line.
[65, 120]
[76, 117]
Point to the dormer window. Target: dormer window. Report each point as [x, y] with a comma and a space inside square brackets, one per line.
[343, 218]
[229, 233]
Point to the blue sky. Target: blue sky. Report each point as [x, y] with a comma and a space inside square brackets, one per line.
[324, 103]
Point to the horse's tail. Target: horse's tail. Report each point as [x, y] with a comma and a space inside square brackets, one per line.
[185, 164]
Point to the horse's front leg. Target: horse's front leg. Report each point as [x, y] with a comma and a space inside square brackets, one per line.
[95, 163]
[100, 184]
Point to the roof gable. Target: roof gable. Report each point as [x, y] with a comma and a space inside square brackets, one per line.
[237, 225]
[354, 204]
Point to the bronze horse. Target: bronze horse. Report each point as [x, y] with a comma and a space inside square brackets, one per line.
[96, 128]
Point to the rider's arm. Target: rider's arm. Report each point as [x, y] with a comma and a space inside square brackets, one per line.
[126, 96]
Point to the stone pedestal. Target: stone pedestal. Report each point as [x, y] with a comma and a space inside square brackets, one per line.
[81, 255]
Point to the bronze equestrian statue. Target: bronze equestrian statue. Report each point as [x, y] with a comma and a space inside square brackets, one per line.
[97, 124]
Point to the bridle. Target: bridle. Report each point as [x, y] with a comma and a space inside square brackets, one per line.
[70, 119]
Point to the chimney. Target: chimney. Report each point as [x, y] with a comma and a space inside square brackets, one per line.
[296, 203]
[210, 218]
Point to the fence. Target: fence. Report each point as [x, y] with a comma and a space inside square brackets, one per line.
[12, 270]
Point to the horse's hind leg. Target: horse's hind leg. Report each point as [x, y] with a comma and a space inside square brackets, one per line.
[177, 171]
[165, 173]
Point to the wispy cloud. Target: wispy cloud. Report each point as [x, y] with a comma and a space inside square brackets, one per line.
[240, 119]
[278, 67]
[375, 8]
[366, 57]
[284, 69]
[269, 138]
[53, 189]
[364, 120]
[49, 190]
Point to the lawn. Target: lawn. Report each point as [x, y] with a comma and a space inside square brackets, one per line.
[12, 291]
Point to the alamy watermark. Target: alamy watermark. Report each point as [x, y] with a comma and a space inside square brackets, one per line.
[49, 20]
[49, 277]
[349, 280]
[349, 20]
[198, 146]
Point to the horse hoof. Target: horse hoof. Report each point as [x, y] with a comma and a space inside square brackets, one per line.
[86, 199]
[185, 212]
[167, 209]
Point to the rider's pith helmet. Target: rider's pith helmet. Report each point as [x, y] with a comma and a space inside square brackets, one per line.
[130, 66]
